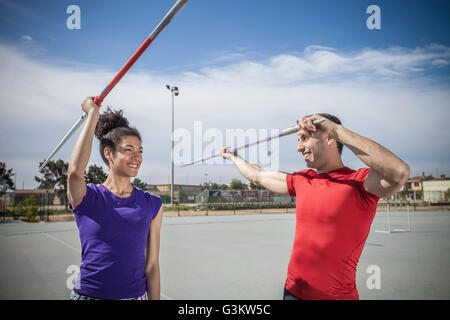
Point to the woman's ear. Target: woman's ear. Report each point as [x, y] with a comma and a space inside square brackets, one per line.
[108, 154]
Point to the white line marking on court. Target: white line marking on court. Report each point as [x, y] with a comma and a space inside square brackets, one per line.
[62, 242]
[165, 297]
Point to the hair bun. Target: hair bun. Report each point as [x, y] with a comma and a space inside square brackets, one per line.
[108, 121]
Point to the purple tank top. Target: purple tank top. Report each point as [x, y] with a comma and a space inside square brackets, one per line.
[113, 233]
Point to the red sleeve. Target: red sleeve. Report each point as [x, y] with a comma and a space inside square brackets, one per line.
[290, 184]
[360, 177]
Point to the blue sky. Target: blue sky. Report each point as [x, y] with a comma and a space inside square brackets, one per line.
[239, 64]
[207, 28]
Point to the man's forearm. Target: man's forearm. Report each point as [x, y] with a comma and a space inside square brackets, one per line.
[274, 181]
[374, 155]
[249, 171]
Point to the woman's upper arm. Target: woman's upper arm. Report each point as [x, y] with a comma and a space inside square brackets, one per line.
[154, 238]
[156, 222]
[76, 190]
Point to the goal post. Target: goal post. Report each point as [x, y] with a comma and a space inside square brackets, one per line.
[390, 229]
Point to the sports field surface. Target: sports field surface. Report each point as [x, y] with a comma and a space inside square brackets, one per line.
[235, 257]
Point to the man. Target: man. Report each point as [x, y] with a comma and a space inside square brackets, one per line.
[335, 205]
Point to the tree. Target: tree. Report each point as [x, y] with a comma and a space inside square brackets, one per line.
[254, 186]
[214, 186]
[236, 184]
[205, 186]
[55, 177]
[6, 182]
[95, 175]
[138, 183]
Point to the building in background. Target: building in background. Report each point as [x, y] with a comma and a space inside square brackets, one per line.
[44, 196]
[437, 190]
[413, 189]
[182, 193]
[242, 195]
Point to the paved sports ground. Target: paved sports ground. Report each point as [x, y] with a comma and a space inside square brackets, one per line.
[235, 257]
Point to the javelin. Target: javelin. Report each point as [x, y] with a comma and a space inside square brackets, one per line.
[98, 100]
[282, 133]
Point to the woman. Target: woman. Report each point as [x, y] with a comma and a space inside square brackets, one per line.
[119, 225]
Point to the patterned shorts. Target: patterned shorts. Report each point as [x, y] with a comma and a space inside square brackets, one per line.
[79, 296]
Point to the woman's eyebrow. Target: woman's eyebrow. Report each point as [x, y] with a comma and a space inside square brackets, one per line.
[130, 145]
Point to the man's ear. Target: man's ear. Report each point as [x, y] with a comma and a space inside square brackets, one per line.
[331, 141]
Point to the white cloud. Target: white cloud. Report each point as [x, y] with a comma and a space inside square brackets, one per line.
[26, 38]
[388, 95]
[324, 64]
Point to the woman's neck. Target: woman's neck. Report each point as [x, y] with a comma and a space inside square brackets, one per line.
[120, 186]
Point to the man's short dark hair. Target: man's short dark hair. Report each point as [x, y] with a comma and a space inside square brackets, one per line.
[336, 120]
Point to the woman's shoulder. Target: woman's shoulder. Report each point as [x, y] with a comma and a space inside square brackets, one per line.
[153, 201]
[95, 188]
[147, 194]
[93, 193]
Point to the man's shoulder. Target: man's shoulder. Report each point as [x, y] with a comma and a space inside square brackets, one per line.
[357, 176]
[361, 174]
[346, 172]
[341, 173]
[304, 173]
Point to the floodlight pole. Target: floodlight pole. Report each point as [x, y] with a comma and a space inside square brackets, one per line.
[175, 92]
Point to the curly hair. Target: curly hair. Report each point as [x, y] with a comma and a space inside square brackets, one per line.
[110, 129]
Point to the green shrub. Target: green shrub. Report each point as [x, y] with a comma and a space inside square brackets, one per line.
[27, 208]
[241, 203]
[178, 207]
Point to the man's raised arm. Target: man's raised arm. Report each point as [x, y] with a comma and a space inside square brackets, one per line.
[389, 173]
[274, 181]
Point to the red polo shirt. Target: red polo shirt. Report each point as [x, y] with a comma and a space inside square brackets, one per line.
[333, 217]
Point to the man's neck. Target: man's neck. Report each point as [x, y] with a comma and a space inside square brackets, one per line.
[331, 166]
